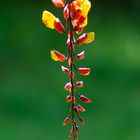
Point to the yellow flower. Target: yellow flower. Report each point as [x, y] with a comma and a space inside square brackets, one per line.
[48, 19]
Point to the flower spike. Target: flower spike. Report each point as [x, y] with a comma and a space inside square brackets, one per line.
[75, 14]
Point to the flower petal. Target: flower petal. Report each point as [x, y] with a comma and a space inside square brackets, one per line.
[58, 26]
[57, 56]
[90, 37]
[48, 19]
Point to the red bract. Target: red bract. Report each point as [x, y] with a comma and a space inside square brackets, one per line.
[84, 99]
[58, 3]
[84, 71]
[81, 55]
[58, 26]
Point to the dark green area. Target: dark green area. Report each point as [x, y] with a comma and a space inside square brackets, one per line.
[32, 98]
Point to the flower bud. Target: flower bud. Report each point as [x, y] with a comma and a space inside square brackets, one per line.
[69, 98]
[73, 100]
[77, 128]
[70, 61]
[58, 26]
[81, 120]
[58, 3]
[79, 84]
[84, 99]
[68, 87]
[71, 75]
[57, 56]
[81, 55]
[80, 108]
[66, 12]
[76, 110]
[70, 46]
[64, 69]
[84, 71]
[66, 121]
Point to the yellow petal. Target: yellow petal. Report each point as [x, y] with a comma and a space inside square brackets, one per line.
[90, 37]
[48, 19]
[85, 5]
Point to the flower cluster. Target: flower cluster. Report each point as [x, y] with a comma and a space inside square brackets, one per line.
[75, 14]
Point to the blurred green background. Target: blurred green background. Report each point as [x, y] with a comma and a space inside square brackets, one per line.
[32, 98]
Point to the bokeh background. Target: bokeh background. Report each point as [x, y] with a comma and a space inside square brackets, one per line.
[32, 98]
